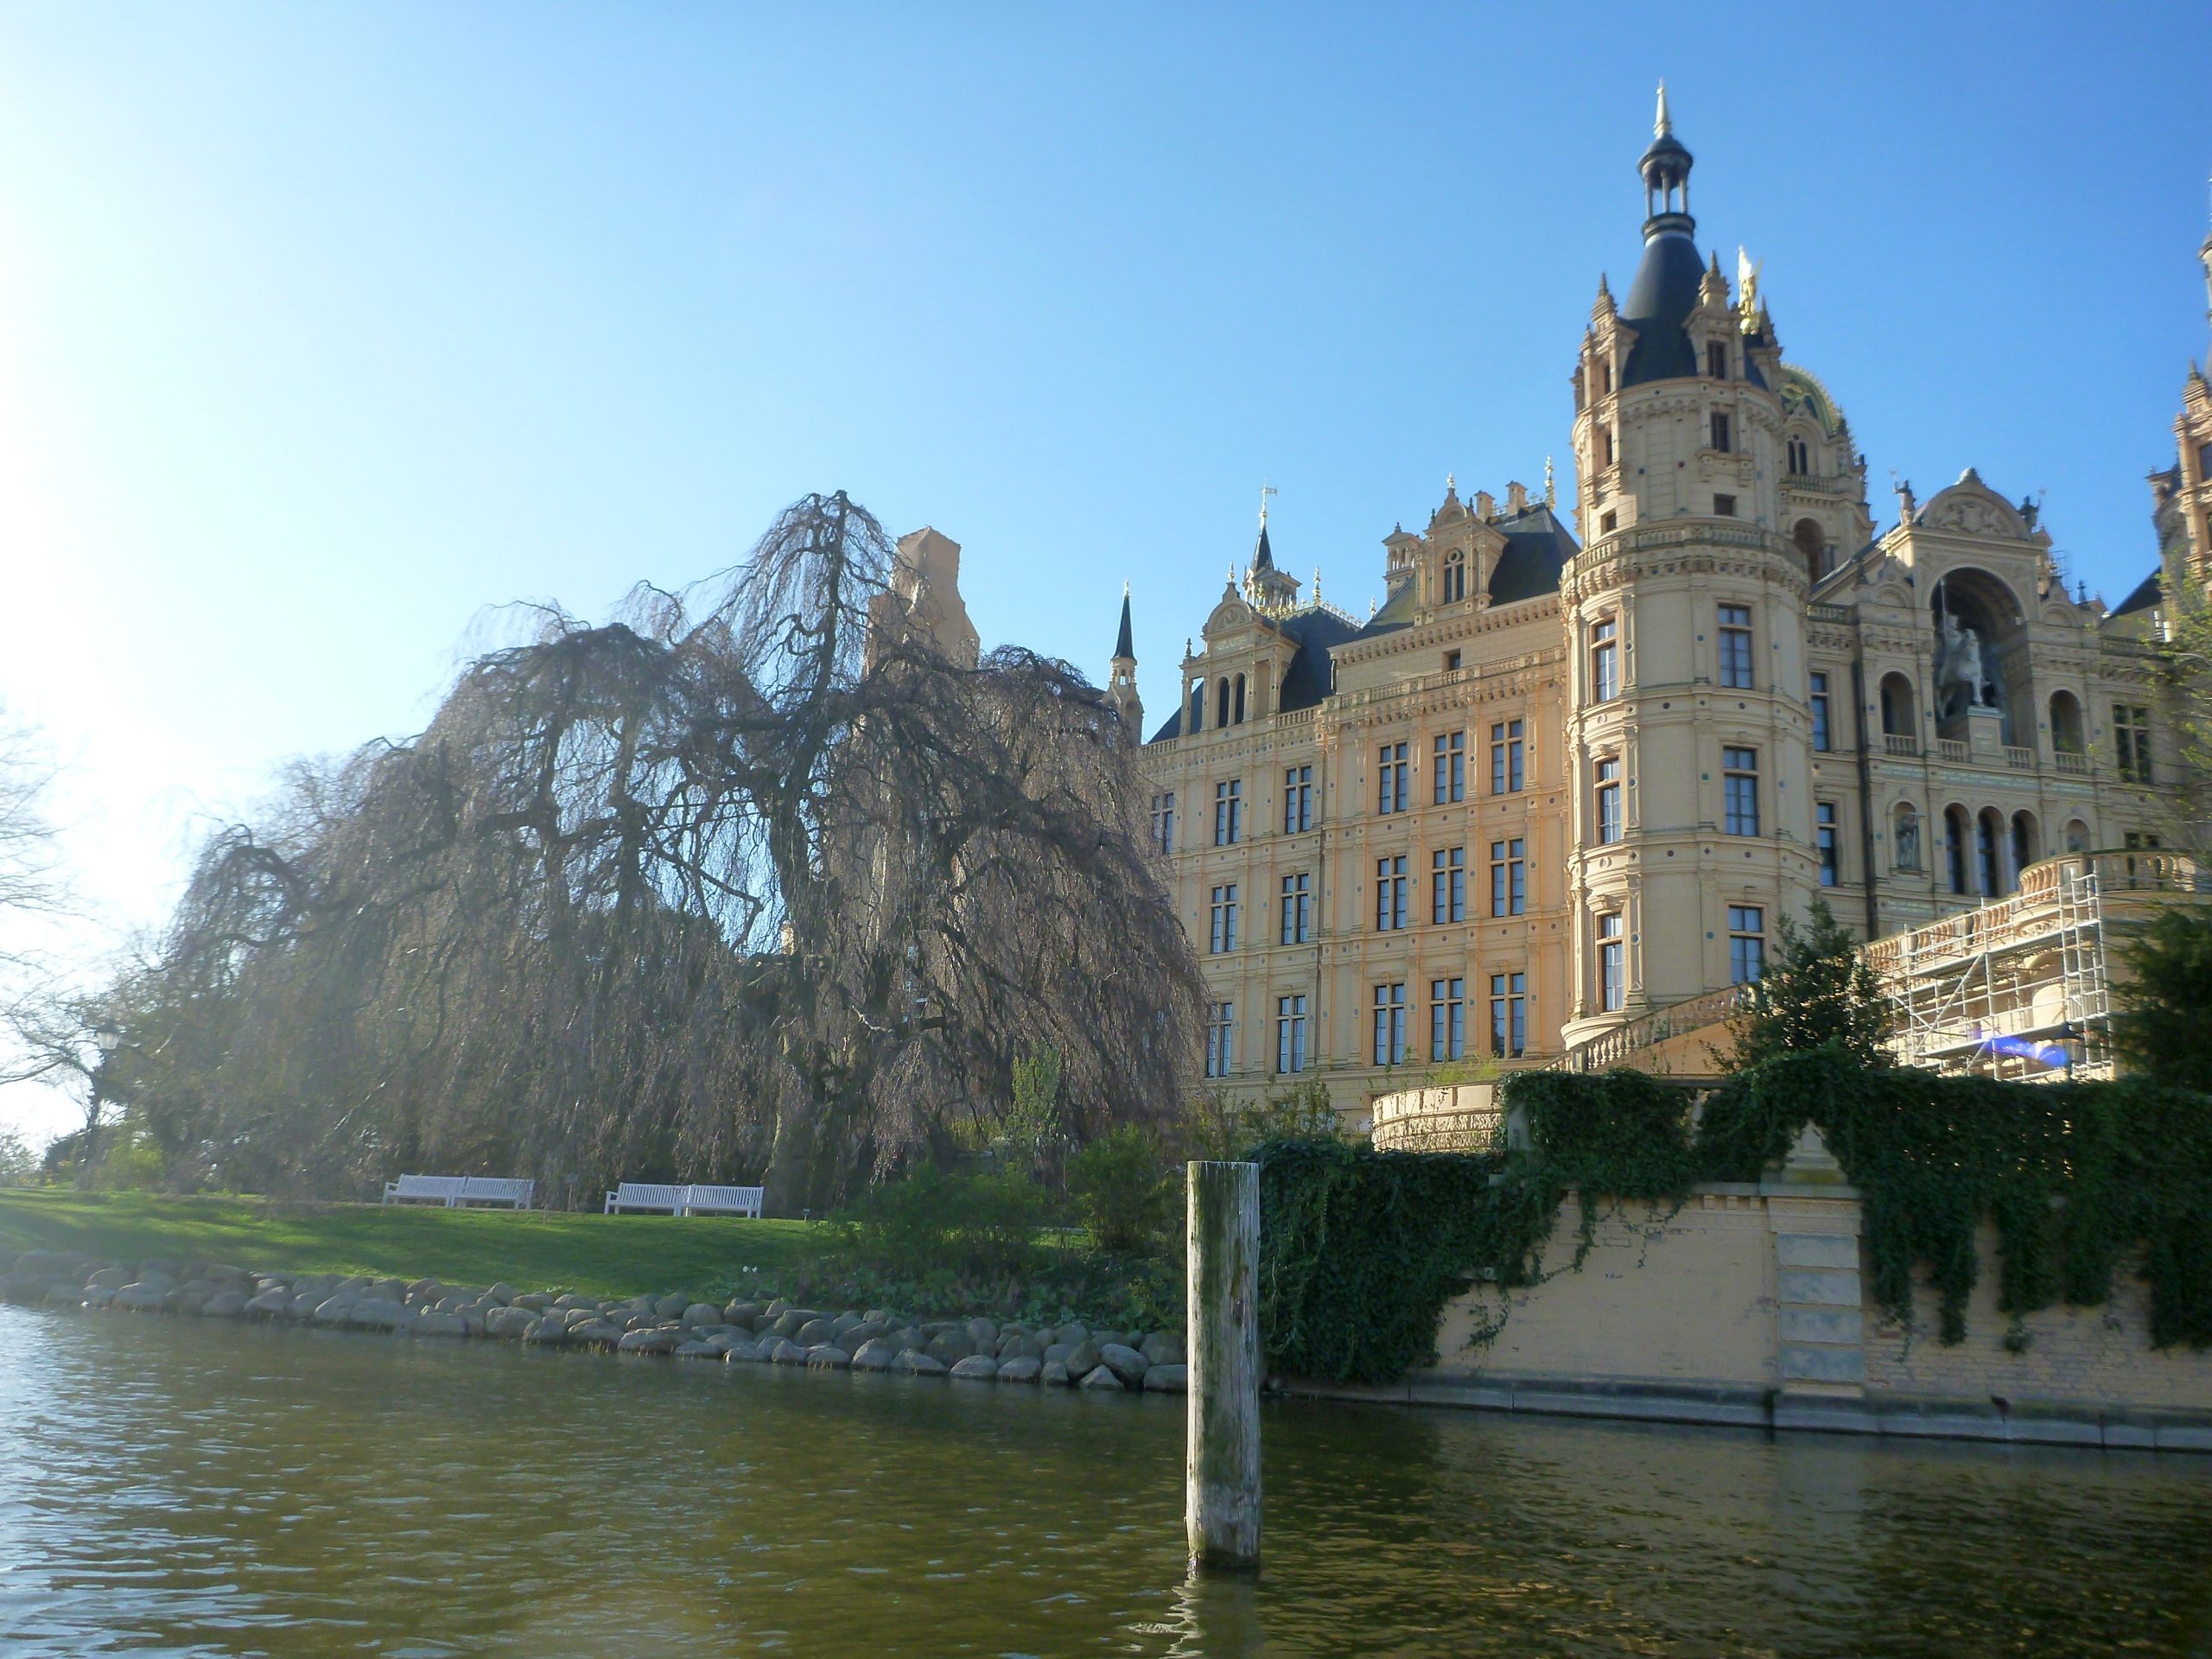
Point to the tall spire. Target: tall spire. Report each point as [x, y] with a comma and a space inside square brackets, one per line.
[1661, 126]
[1123, 647]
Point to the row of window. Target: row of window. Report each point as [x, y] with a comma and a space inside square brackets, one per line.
[1448, 1009]
[1447, 902]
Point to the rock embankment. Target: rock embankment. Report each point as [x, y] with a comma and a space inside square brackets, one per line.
[977, 1350]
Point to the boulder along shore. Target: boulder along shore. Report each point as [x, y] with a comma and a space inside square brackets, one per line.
[778, 1332]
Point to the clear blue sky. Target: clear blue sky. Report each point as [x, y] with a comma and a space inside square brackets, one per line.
[324, 328]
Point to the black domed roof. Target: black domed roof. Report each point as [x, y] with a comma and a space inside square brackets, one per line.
[1660, 300]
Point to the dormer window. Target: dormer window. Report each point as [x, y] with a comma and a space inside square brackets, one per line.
[1716, 360]
[1800, 460]
[1455, 577]
[1720, 432]
[1221, 703]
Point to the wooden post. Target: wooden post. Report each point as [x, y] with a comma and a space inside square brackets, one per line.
[1221, 1462]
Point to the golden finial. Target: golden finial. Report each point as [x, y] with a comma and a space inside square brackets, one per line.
[1551, 490]
[1663, 126]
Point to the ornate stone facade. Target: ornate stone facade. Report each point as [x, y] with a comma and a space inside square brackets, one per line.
[1566, 776]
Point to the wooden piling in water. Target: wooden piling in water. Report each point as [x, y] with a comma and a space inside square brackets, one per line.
[1221, 1459]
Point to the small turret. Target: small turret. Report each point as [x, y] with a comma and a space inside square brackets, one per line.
[1122, 675]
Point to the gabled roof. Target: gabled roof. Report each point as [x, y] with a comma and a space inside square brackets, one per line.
[1311, 675]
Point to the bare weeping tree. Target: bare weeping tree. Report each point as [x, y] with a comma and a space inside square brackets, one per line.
[751, 877]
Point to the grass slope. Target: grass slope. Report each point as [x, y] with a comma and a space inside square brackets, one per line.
[600, 1256]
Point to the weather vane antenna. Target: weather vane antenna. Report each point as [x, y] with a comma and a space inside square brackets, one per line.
[1266, 489]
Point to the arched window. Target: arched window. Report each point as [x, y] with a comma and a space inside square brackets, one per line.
[1455, 576]
[1812, 549]
[2066, 737]
[1239, 715]
[1898, 720]
[1954, 847]
[1905, 835]
[2077, 835]
[1198, 705]
[1989, 858]
[1221, 703]
[1800, 460]
[2027, 844]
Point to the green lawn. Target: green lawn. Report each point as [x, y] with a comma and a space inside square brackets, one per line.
[598, 1256]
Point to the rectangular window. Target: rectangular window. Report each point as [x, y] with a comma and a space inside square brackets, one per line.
[1390, 779]
[1450, 767]
[1720, 432]
[1735, 647]
[1824, 833]
[1163, 821]
[1820, 712]
[1724, 506]
[1390, 1024]
[1508, 885]
[1451, 660]
[1716, 361]
[1508, 1015]
[1297, 799]
[1739, 783]
[1609, 800]
[1613, 963]
[1604, 661]
[1389, 893]
[1228, 813]
[1221, 1037]
[1447, 1019]
[1297, 908]
[1609, 523]
[2131, 729]
[1290, 1034]
[1221, 938]
[1447, 885]
[1506, 752]
[1747, 944]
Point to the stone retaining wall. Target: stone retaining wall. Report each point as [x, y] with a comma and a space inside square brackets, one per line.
[777, 1332]
[1748, 1304]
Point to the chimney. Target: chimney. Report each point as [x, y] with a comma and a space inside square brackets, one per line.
[1517, 498]
[1485, 507]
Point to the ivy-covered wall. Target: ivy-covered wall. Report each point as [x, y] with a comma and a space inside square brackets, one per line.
[1362, 1250]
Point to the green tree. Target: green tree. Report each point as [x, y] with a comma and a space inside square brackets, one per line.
[1817, 992]
[1119, 1190]
[2160, 1026]
[1035, 1129]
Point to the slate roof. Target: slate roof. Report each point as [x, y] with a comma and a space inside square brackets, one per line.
[2149, 591]
[1659, 300]
[1123, 646]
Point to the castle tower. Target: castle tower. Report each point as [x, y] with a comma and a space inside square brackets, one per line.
[1268, 589]
[1685, 612]
[2183, 497]
[1121, 677]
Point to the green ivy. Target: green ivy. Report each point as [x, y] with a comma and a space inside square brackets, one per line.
[1361, 1250]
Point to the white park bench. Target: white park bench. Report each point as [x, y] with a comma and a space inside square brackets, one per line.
[693, 1200]
[646, 1195]
[458, 1191]
[723, 1201]
[426, 1189]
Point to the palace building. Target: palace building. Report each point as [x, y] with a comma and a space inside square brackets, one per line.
[1576, 766]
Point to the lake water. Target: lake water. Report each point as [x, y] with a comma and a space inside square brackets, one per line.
[173, 1487]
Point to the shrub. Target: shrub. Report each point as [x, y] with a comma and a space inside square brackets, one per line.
[2161, 1027]
[929, 1220]
[1120, 1190]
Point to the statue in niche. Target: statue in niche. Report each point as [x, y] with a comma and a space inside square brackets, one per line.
[1958, 664]
[1908, 840]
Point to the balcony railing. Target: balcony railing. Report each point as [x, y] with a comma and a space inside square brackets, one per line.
[1900, 743]
[1952, 749]
[2019, 759]
[2077, 764]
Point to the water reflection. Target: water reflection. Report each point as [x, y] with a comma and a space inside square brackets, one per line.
[182, 1489]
